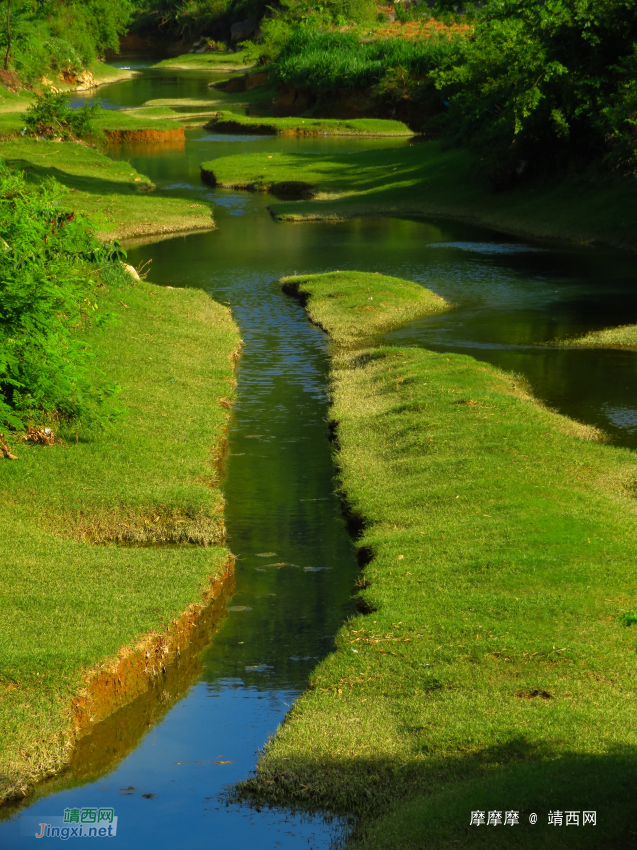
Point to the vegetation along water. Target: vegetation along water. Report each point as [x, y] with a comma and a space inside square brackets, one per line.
[317, 423]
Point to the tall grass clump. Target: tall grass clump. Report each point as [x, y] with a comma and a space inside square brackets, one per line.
[49, 266]
[325, 61]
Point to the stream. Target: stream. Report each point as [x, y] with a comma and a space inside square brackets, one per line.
[296, 566]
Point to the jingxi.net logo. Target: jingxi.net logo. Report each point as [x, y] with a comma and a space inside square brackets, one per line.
[76, 823]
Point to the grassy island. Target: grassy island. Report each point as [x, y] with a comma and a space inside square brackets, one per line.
[231, 122]
[492, 664]
[78, 588]
[424, 179]
[215, 61]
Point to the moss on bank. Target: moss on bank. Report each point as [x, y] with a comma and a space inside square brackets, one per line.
[423, 179]
[114, 195]
[492, 666]
[72, 594]
[231, 122]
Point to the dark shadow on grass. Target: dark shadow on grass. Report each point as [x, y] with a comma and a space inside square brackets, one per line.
[427, 802]
[82, 183]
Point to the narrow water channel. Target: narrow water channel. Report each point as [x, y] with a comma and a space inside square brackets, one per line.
[296, 568]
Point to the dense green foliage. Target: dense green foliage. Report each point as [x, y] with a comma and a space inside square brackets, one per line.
[60, 36]
[48, 288]
[51, 117]
[549, 84]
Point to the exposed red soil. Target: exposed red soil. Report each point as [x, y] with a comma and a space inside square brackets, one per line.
[111, 686]
[119, 136]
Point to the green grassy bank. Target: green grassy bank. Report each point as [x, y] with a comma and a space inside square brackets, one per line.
[217, 61]
[231, 122]
[622, 337]
[424, 179]
[492, 666]
[118, 199]
[75, 584]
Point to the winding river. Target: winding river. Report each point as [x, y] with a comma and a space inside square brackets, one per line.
[163, 762]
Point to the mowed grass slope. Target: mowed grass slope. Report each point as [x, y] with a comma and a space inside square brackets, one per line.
[116, 197]
[70, 595]
[424, 179]
[492, 667]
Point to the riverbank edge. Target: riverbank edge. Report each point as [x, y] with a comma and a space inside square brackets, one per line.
[114, 683]
[288, 774]
[117, 680]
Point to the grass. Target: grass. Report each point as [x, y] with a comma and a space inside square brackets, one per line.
[204, 61]
[622, 337]
[230, 122]
[68, 604]
[117, 198]
[11, 125]
[424, 179]
[491, 666]
[339, 299]
[135, 120]
[326, 61]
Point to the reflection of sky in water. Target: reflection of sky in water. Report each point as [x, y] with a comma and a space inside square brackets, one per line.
[486, 247]
[622, 417]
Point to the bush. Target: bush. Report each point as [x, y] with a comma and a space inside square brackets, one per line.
[48, 282]
[61, 36]
[50, 116]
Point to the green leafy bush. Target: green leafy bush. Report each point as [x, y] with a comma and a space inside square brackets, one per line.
[48, 283]
[60, 35]
[50, 116]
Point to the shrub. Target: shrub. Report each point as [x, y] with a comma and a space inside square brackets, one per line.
[48, 281]
[50, 116]
[546, 85]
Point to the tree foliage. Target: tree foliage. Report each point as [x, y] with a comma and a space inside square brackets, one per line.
[60, 35]
[50, 116]
[48, 283]
[548, 84]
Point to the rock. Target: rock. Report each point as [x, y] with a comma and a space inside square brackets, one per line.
[131, 270]
[242, 30]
